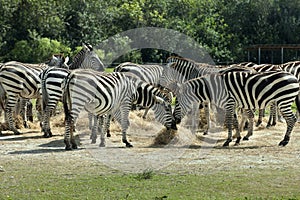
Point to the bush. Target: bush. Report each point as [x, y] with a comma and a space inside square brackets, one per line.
[37, 51]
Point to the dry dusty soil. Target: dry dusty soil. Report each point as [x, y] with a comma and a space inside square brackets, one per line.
[186, 153]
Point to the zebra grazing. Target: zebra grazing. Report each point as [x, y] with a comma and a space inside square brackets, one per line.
[102, 93]
[150, 73]
[53, 77]
[245, 90]
[180, 70]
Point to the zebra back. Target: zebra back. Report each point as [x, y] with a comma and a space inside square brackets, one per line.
[86, 58]
[148, 72]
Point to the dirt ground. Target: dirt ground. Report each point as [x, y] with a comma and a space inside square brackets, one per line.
[186, 153]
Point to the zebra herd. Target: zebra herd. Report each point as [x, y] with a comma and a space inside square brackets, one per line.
[83, 84]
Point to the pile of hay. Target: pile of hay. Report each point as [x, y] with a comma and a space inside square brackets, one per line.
[18, 123]
[165, 137]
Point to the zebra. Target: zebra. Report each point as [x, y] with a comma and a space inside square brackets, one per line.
[149, 73]
[104, 93]
[245, 90]
[179, 70]
[292, 67]
[53, 77]
[143, 97]
[272, 117]
[20, 81]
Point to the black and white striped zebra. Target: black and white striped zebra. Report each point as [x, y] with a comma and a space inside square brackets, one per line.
[272, 117]
[180, 70]
[245, 90]
[87, 58]
[150, 73]
[101, 94]
[20, 81]
[53, 77]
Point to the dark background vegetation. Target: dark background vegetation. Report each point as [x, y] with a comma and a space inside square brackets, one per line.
[31, 30]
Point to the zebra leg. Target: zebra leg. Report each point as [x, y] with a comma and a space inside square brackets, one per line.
[106, 123]
[251, 122]
[243, 121]
[229, 123]
[96, 127]
[280, 117]
[124, 121]
[207, 115]
[38, 107]
[46, 122]
[290, 119]
[91, 116]
[12, 102]
[145, 113]
[69, 139]
[236, 127]
[261, 113]
[21, 109]
[272, 117]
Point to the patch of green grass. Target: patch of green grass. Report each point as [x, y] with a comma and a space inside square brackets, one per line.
[73, 180]
[146, 174]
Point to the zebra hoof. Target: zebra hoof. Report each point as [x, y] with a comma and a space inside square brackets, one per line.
[93, 141]
[245, 138]
[74, 146]
[68, 148]
[129, 145]
[17, 133]
[237, 142]
[283, 143]
[108, 134]
[226, 144]
[102, 144]
[46, 135]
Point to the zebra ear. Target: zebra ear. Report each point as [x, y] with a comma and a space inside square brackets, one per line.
[66, 61]
[87, 46]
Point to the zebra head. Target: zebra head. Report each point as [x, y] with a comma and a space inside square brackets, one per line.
[58, 60]
[87, 58]
[149, 96]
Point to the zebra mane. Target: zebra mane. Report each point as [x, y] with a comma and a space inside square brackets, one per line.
[237, 68]
[174, 58]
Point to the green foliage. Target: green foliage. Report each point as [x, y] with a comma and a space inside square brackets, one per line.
[37, 51]
[223, 28]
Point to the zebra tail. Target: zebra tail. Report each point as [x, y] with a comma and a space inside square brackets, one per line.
[66, 97]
